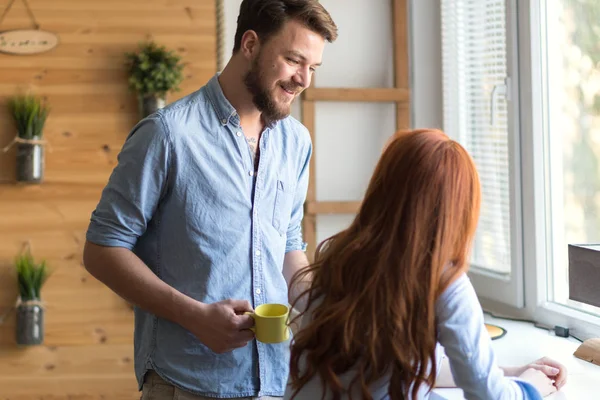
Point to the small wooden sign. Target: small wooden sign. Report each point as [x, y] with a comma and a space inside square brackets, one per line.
[27, 41]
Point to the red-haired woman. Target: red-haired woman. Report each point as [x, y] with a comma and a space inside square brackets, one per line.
[392, 288]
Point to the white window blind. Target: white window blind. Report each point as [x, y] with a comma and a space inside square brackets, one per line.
[474, 59]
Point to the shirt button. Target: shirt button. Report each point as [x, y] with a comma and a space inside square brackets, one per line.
[251, 173]
[238, 134]
[257, 291]
[257, 252]
[224, 121]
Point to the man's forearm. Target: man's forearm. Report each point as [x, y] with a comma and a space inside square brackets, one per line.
[293, 262]
[124, 273]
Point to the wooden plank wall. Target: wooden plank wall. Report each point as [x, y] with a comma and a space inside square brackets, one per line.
[88, 352]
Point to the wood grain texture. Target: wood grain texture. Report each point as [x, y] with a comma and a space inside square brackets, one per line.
[401, 65]
[358, 94]
[88, 347]
[333, 207]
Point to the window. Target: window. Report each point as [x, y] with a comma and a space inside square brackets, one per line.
[477, 112]
[521, 91]
[570, 64]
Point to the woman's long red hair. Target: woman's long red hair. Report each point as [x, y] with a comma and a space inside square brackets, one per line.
[375, 284]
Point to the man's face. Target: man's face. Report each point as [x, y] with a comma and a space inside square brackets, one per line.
[283, 68]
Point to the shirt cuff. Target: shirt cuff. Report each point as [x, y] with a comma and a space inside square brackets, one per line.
[529, 391]
[292, 245]
[107, 238]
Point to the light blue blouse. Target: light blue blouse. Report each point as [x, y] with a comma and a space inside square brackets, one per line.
[463, 336]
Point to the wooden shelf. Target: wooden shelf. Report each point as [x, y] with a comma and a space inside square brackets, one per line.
[332, 207]
[383, 95]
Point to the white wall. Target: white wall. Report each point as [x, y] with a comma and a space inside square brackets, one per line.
[232, 8]
[349, 136]
[425, 52]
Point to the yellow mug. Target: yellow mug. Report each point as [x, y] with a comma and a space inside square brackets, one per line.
[271, 323]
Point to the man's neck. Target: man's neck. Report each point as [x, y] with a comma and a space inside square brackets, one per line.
[234, 89]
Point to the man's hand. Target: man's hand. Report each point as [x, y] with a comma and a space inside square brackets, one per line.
[222, 326]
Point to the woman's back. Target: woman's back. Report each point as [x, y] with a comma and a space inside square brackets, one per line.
[392, 285]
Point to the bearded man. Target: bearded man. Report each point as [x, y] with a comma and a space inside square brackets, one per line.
[201, 218]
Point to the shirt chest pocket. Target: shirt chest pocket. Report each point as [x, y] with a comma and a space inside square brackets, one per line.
[284, 197]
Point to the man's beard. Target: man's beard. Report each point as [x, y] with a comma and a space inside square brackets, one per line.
[262, 98]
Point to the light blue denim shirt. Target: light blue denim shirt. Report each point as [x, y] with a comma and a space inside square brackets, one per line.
[463, 336]
[184, 197]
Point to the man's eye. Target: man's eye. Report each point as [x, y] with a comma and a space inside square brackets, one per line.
[292, 61]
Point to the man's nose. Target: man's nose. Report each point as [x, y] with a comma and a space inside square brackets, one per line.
[302, 78]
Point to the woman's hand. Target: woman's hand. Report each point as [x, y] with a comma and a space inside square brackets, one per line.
[539, 380]
[551, 368]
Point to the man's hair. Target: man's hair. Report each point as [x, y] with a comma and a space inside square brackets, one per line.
[267, 17]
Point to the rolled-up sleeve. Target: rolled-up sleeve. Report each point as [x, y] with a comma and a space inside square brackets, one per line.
[462, 333]
[135, 187]
[294, 232]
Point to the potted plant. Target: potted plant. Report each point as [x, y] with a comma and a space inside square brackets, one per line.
[31, 276]
[153, 71]
[29, 114]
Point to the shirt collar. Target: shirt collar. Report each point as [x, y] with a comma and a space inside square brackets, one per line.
[223, 108]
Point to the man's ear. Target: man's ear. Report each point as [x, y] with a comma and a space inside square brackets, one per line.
[250, 44]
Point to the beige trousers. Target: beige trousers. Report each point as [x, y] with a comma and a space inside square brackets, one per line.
[155, 388]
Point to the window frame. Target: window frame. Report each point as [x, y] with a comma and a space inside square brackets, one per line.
[536, 243]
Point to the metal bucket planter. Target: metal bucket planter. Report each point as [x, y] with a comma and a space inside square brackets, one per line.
[30, 162]
[30, 324]
[150, 104]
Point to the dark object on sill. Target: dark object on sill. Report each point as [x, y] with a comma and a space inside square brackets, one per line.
[584, 273]
[560, 331]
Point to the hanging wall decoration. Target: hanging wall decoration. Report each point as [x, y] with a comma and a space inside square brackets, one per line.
[29, 113]
[31, 276]
[26, 41]
[153, 72]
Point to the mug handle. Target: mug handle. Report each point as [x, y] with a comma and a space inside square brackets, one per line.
[253, 329]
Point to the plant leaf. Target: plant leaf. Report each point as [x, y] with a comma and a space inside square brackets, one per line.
[30, 276]
[29, 114]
